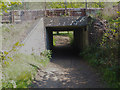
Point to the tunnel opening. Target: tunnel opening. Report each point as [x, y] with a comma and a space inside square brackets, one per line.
[63, 43]
[64, 46]
[62, 38]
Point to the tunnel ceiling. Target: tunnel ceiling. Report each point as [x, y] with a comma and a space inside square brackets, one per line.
[64, 28]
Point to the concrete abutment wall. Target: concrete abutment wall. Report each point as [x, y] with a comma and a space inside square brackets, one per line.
[35, 41]
[81, 39]
[41, 38]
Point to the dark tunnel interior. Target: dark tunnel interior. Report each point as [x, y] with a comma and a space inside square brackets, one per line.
[66, 50]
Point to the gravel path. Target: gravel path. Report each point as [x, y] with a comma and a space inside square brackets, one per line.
[66, 70]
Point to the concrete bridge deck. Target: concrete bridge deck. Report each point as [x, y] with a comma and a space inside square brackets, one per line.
[66, 22]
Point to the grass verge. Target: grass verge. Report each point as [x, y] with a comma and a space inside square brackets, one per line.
[12, 33]
[20, 72]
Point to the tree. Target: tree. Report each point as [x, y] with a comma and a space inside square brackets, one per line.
[65, 4]
[4, 6]
[75, 4]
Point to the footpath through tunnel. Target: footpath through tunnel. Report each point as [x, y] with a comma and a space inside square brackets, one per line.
[67, 69]
[70, 39]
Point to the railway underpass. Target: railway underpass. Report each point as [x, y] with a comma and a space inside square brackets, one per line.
[66, 69]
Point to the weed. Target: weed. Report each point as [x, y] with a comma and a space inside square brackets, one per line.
[21, 72]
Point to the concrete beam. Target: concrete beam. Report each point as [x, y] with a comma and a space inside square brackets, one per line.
[59, 21]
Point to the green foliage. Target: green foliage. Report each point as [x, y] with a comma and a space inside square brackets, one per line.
[46, 53]
[54, 41]
[105, 56]
[71, 37]
[95, 5]
[111, 77]
[105, 63]
[4, 6]
[75, 5]
[21, 72]
[67, 33]
[4, 55]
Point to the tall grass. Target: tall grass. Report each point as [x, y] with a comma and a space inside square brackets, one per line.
[12, 33]
[20, 72]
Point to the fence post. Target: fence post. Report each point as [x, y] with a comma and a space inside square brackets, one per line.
[13, 16]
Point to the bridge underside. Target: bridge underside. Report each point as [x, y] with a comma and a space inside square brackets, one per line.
[79, 32]
[76, 24]
[64, 28]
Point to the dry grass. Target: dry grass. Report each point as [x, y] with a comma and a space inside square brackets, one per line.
[12, 33]
[22, 70]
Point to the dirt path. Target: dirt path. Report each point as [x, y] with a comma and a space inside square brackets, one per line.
[62, 40]
[66, 70]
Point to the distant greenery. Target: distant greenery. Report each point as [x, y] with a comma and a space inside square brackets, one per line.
[64, 33]
[54, 41]
[75, 4]
[63, 4]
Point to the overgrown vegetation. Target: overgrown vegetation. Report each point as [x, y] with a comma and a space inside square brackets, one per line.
[74, 4]
[54, 41]
[20, 72]
[17, 70]
[14, 33]
[4, 6]
[105, 56]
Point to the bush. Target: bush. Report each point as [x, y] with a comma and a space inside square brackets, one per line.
[105, 63]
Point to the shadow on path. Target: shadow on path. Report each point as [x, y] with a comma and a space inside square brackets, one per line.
[67, 70]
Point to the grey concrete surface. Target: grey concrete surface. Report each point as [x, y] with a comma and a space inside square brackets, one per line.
[35, 41]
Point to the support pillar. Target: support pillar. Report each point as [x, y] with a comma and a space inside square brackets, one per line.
[85, 38]
[49, 39]
[81, 39]
[78, 40]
